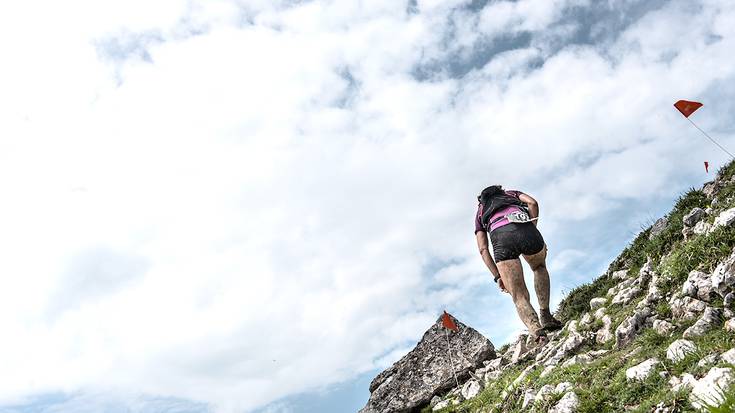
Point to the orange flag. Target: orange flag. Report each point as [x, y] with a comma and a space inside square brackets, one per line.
[686, 107]
[448, 322]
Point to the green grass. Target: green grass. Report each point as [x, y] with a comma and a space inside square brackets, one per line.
[577, 302]
[702, 253]
[601, 385]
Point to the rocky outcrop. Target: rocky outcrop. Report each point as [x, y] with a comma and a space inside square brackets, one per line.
[425, 371]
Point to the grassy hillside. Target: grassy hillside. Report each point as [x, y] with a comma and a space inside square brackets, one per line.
[601, 385]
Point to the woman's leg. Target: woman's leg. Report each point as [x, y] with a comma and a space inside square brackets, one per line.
[542, 285]
[511, 273]
[541, 282]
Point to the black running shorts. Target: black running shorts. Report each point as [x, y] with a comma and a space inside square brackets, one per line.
[512, 240]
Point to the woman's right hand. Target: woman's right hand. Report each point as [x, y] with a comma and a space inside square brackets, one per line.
[501, 285]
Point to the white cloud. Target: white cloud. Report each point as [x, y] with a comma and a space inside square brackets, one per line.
[255, 209]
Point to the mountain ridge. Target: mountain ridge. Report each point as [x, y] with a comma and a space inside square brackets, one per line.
[654, 333]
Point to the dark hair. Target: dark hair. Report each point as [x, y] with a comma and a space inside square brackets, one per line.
[489, 192]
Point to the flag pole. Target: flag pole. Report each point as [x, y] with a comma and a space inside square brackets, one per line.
[449, 351]
[710, 138]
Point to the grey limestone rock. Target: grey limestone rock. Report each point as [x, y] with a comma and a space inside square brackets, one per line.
[604, 334]
[686, 308]
[685, 381]
[658, 227]
[729, 356]
[694, 216]
[698, 285]
[567, 404]
[708, 360]
[725, 219]
[679, 349]
[425, 371]
[528, 397]
[711, 318]
[641, 371]
[544, 393]
[723, 278]
[707, 389]
[597, 302]
[471, 389]
[663, 327]
[630, 327]
[573, 342]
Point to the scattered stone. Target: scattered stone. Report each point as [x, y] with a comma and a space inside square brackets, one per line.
[711, 318]
[518, 349]
[698, 285]
[544, 393]
[641, 371]
[653, 296]
[493, 364]
[630, 327]
[441, 405]
[723, 278]
[679, 349]
[567, 404]
[686, 308]
[471, 389]
[712, 188]
[600, 313]
[492, 376]
[586, 319]
[434, 401]
[708, 360]
[658, 227]
[662, 408]
[620, 274]
[597, 303]
[567, 348]
[694, 216]
[729, 356]
[707, 390]
[686, 381]
[726, 218]
[663, 327]
[528, 398]
[702, 227]
[563, 387]
[604, 334]
[547, 371]
[729, 300]
[523, 375]
[730, 325]
[625, 295]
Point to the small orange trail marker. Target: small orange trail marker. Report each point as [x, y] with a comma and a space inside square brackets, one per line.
[706, 166]
[448, 322]
[686, 108]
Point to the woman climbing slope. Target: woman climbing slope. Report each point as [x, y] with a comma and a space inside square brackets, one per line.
[511, 217]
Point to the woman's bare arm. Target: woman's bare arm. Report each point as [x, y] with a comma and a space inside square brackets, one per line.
[533, 208]
[483, 245]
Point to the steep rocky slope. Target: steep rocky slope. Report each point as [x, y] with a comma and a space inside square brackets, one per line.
[655, 333]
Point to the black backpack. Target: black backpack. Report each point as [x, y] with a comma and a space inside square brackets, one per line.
[496, 201]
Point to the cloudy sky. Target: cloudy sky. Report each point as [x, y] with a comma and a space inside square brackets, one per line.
[256, 205]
